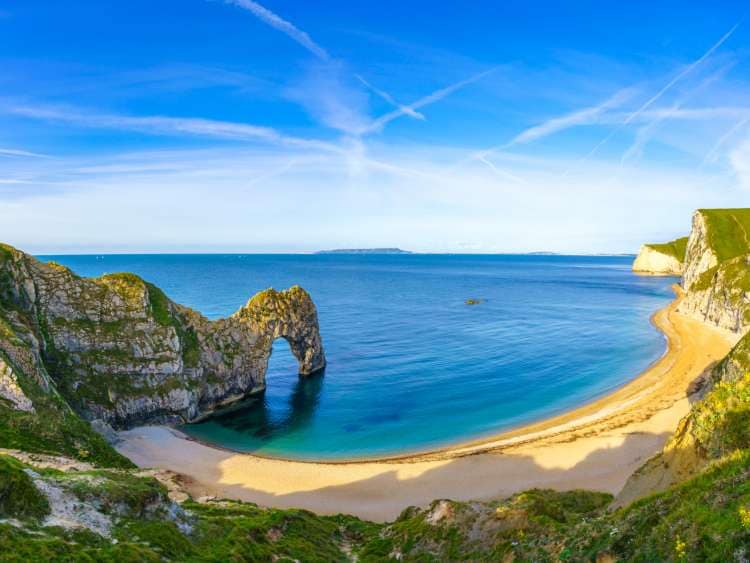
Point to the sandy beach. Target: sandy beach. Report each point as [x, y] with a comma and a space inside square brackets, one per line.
[596, 446]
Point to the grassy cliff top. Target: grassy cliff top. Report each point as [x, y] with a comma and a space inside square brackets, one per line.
[728, 231]
[675, 248]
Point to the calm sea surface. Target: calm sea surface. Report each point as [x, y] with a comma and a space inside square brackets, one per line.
[410, 365]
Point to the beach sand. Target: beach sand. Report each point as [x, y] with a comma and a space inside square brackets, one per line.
[596, 447]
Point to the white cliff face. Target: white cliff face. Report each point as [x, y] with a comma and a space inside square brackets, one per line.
[651, 261]
[715, 293]
[699, 256]
[11, 391]
[722, 300]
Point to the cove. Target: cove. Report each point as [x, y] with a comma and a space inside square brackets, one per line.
[411, 366]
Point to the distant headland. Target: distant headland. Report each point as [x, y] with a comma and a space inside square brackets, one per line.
[364, 251]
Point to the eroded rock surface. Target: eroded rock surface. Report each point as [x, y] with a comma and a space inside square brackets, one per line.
[11, 391]
[120, 351]
[699, 255]
[717, 287]
[651, 261]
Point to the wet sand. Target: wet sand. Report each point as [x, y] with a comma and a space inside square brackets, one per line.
[596, 446]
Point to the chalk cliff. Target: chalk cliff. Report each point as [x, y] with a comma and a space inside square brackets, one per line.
[119, 351]
[661, 259]
[717, 276]
[716, 280]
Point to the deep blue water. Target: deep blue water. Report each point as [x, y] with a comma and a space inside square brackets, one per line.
[410, 365]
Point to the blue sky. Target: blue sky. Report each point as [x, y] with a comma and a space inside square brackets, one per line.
[210, 125]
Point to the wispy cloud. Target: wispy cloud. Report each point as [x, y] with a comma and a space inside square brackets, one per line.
[15, 153]
[499, 171]
[739, 158]
[653, 99]
[713, 154]
[687, 70]
[284, 26]
[163, 125]
[580, 117]
[645, 133]
[331, 97]
[380, 122]
[388, 98]
[14, 182]
[326, 104]
[227, 194]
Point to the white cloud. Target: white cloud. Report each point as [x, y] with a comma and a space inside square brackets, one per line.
[579, 117]
[331, 97]
[653, 99]
[16, 153]
[163, 125]
[388, 98]
[645, 133]
[277, 22]
[713, 154]
[687, 70]
[292, 199]
[739, 159]
[435, 96]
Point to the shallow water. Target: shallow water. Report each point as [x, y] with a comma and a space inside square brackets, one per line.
[411, 366]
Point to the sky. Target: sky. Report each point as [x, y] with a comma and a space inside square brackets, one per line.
[290, 126]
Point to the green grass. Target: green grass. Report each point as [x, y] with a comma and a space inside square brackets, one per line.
[675, 248]
[54, 428]
[19, 498]
[704, 519]
[728, 232]
[162, 312]
[147, 526]
[118, 492]
[159, 305]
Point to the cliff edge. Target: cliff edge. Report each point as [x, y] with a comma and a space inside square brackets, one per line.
[716, 280]
[661, 259]
[120, 352]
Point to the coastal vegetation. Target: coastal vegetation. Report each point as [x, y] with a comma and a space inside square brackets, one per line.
[662, 258]
[67, 495]
[727, 232]
[675, 248]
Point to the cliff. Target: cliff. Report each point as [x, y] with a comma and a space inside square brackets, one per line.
[119, 351]
[716, 276]
[717, 291]
[694, 496]
[661, 259]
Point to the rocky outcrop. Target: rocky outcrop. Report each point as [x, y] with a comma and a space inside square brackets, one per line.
[716, 280]
[121, 352]
[720, 296]
[11, 391]
[717, 270]
[699, 255]
[650, 260]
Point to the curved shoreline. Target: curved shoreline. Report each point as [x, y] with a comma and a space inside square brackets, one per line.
[595, 446]
[472, 447]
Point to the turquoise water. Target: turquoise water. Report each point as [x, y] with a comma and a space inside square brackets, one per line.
[410, 366]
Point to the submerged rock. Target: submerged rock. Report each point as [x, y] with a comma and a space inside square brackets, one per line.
[122, 353]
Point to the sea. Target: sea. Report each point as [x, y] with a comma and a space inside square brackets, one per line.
[411, 366]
